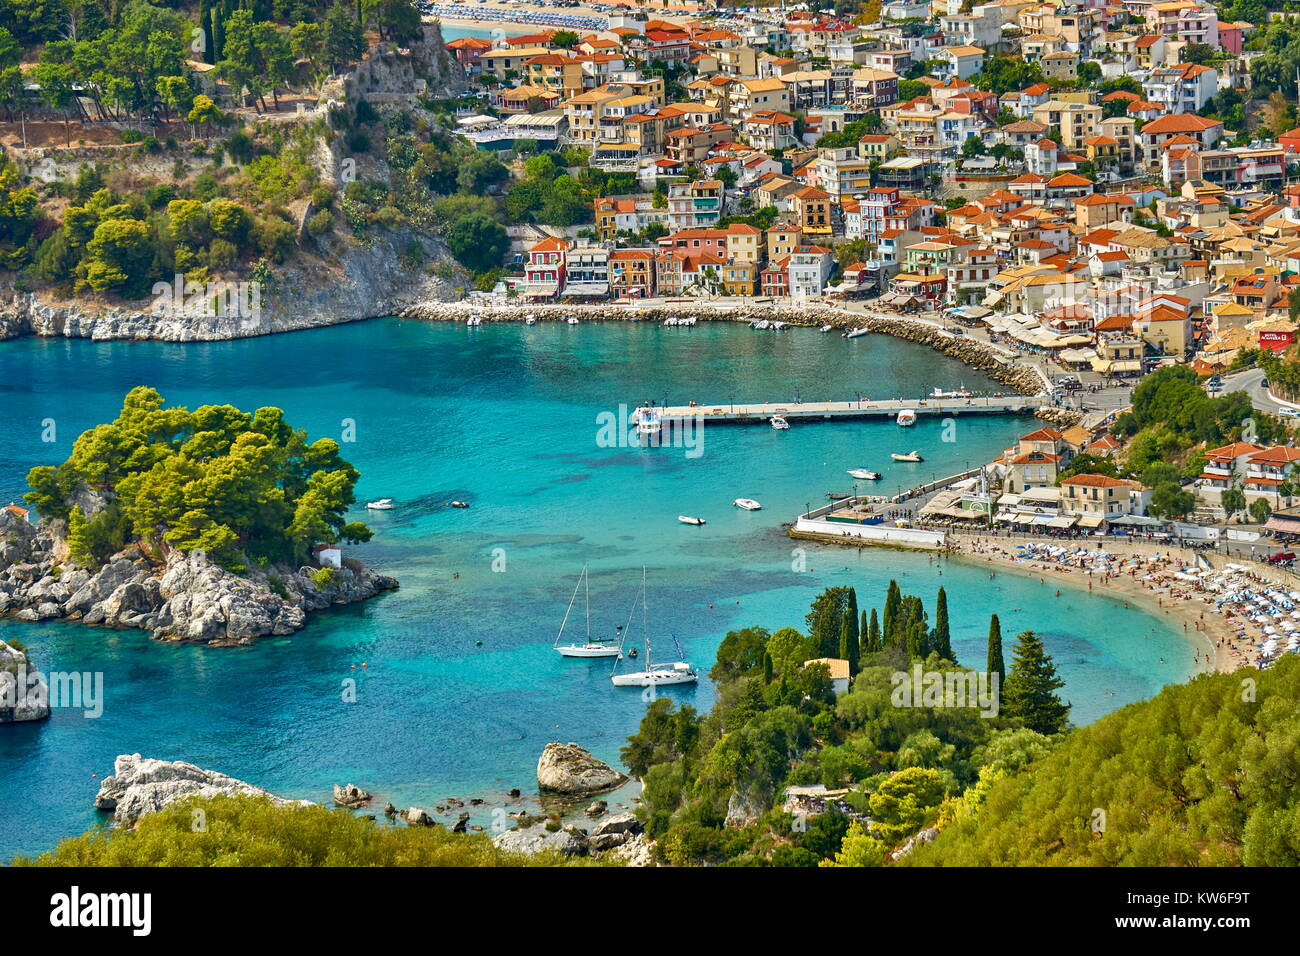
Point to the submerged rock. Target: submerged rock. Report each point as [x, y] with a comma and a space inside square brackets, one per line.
[143, 785]
[569, 768]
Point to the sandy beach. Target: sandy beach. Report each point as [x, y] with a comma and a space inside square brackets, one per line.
[1136, 575]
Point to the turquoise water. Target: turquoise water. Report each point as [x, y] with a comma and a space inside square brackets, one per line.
[461, 689]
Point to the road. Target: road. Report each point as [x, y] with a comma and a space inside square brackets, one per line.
[1250, 381]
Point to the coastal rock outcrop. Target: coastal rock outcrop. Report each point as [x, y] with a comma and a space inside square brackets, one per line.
[351, 796]
[24, 695]
[143, 785]
[184, 599]
[569, 768]
[540, 836]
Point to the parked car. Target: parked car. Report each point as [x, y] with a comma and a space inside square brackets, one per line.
[1282, 557]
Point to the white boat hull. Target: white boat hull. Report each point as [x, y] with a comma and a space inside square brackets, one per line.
[589, 650]
[749, 504]
[659, 677]
[685, 519]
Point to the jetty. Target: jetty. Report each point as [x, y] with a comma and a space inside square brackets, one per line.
[761, 413]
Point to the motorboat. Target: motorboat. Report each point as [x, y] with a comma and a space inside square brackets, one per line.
[958, 393]
[910, 456]
[531, 319]
[474, 321]
[573, 320]
[655, 675]
[460, 504]
[779, 422]
[690, 519]
[855, 333]
[383, 504]
[589, 647]
[749, 504]
[827, 328]
[906, 417]
[647, 421]
[863, 475]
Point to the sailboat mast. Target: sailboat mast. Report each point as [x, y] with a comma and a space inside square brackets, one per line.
[587, 600]
[569, 608]
[645, 624]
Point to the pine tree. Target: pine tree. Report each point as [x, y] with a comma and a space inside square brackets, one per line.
[893, 599]
[995, 664]
[1030, 690]
[941, 639]
[874, 643]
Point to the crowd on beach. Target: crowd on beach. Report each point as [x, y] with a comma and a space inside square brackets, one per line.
[1248, 618]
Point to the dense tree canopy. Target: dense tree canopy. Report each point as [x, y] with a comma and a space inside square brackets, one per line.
[234, 484]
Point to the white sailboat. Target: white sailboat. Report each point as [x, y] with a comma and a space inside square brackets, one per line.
[589, 648]
[654, 675]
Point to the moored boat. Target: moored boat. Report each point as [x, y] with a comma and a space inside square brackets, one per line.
[749, 504]
[862, 474]
[910, 456]
[779, 422]
[906, 417]
[589, 647]
[383, 504]
[855, 333]
[655, 675]
[690, 519]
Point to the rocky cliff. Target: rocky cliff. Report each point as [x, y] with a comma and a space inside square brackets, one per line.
[24, 694]
[182, 599]
[351, 281]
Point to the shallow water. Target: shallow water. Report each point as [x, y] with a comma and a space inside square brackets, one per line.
[460, 689]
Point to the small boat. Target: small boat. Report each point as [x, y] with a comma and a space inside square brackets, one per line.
[749, 504]
[690, 519]
[906, 417]
[383, 504]
[573, 320]
[910, 456]
[590, 647]
[762, 325]
[959, 393]
[855, 333]
[646, 420]
[654, 675]
[863, 475]
[531, 319]
[474, 320]
[779, 422]
[460, 504]
[827, 328]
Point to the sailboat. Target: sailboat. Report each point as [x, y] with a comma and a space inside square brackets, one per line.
[590, 648]
[654, 675]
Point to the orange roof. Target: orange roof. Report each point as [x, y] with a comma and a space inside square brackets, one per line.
[1096, 481]
[1179, 123]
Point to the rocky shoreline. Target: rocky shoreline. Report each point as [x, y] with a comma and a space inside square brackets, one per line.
[184, 599]
[997, 364]
[140, 786]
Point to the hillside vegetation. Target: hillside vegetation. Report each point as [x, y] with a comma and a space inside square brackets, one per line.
[1204, 774]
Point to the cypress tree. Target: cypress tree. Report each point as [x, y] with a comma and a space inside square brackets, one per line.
[767, 668]
[849, 640]
[853, 616]
[874, 643]
[864, 636]
[1030, 690]
[893, 600]
[941, 639]
[996, 665]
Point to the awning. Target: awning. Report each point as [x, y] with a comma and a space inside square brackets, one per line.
[1090, 521]
[1061, 521]
[541, 288]
[1044, 519]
